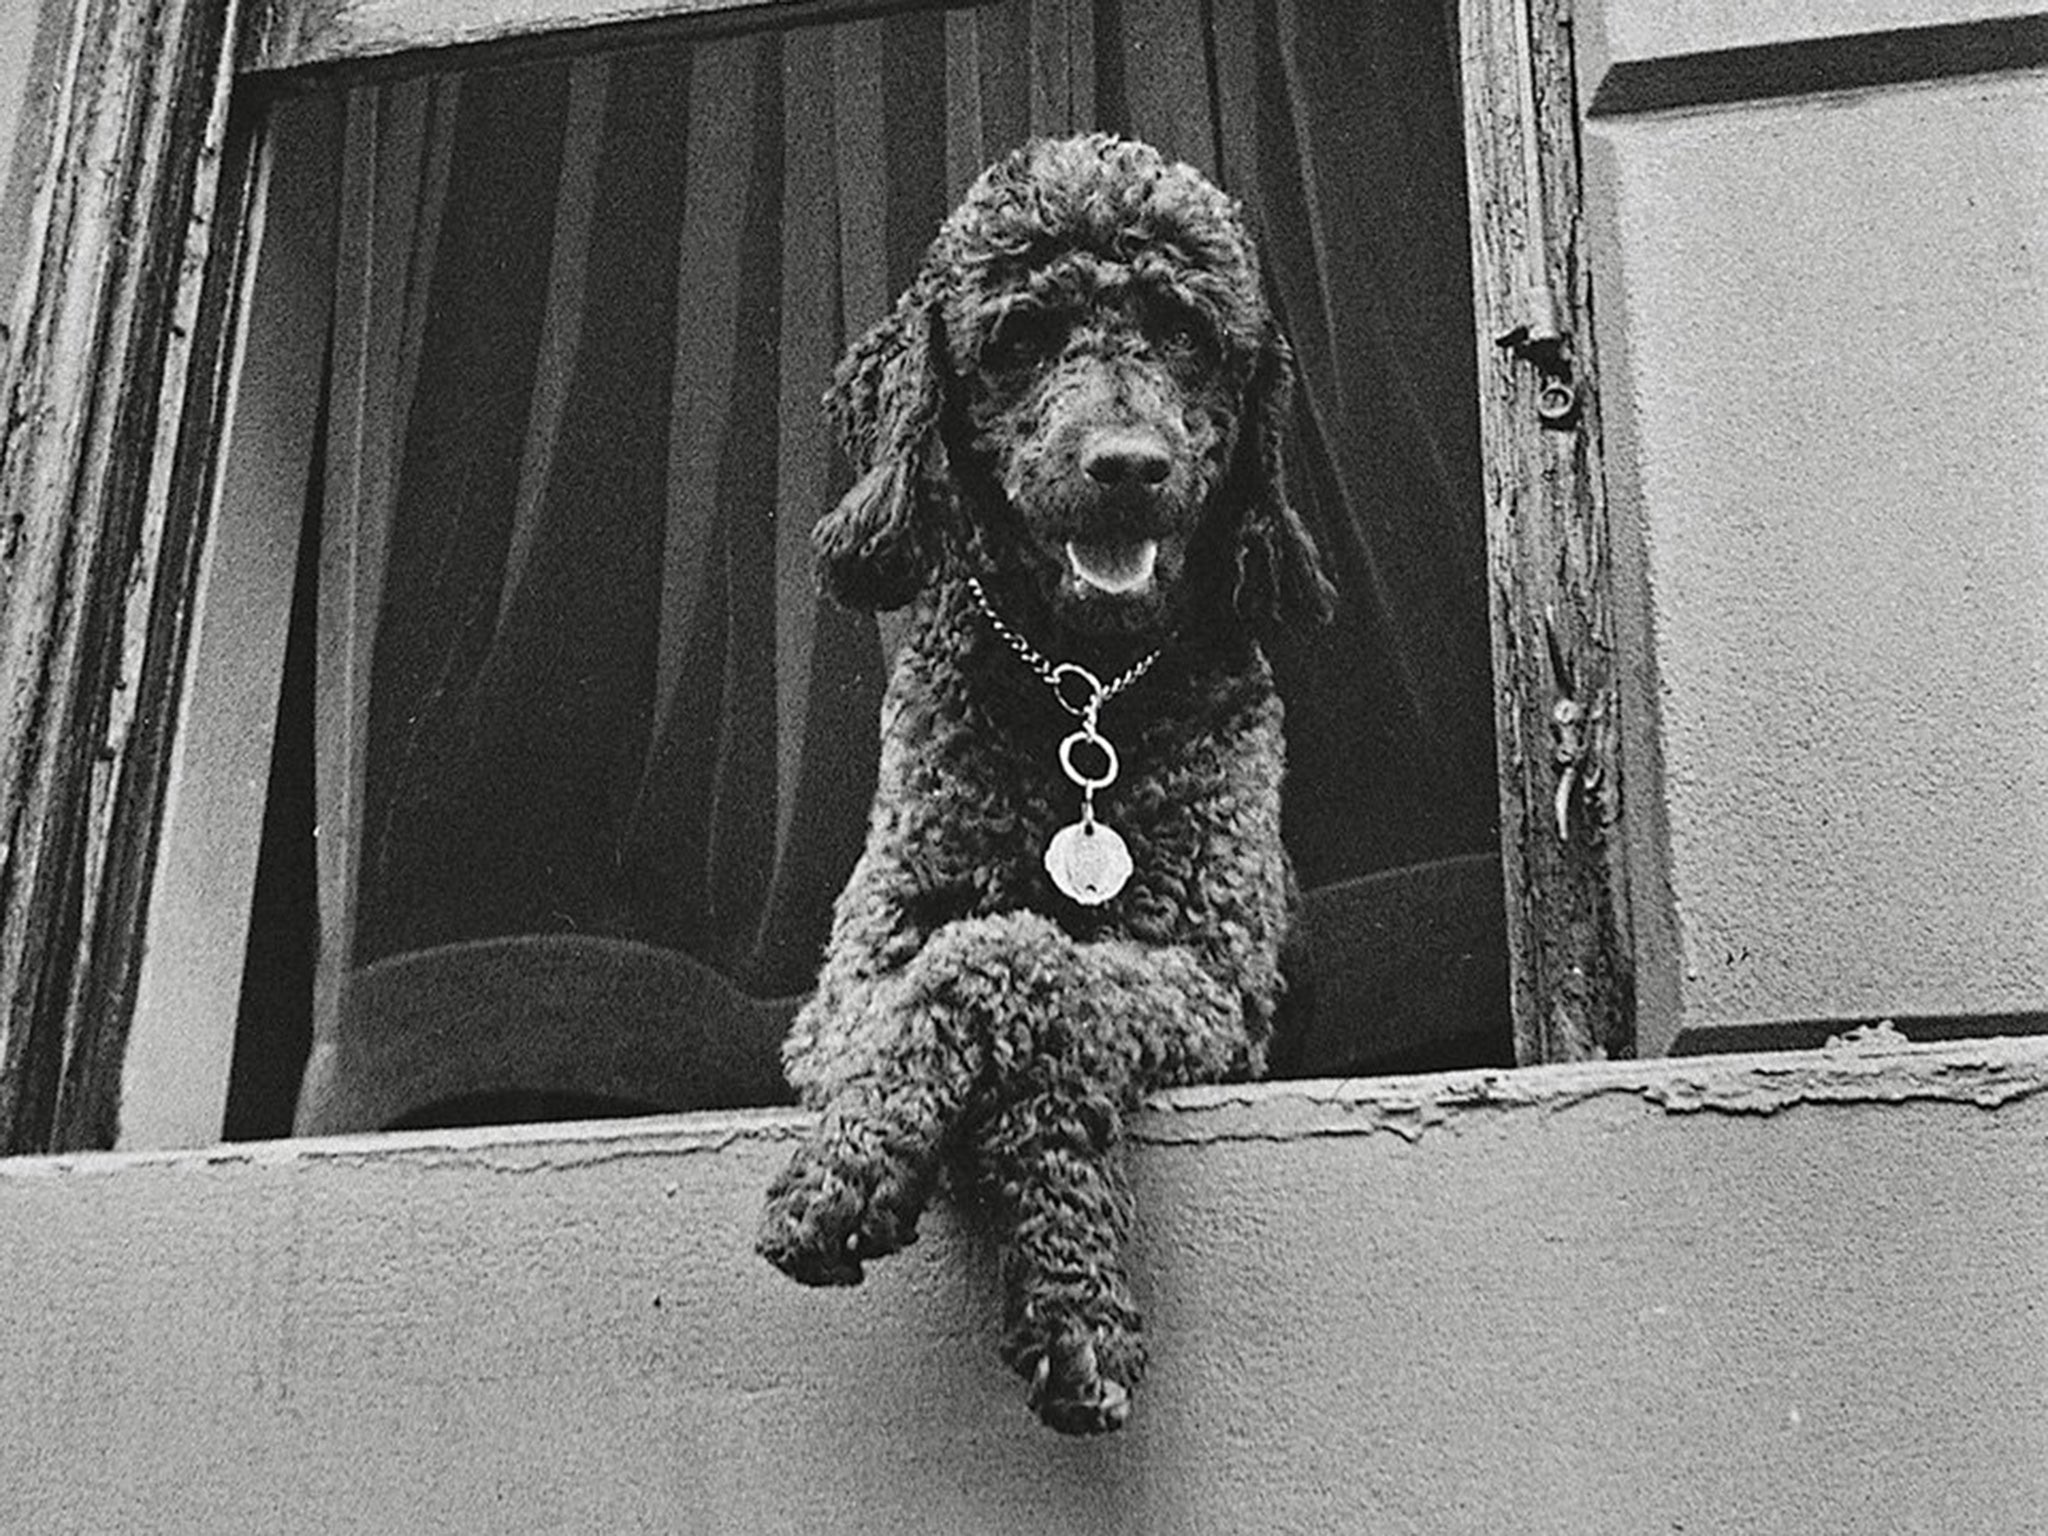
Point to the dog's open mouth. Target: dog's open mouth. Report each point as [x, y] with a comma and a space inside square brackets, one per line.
[1115, 566]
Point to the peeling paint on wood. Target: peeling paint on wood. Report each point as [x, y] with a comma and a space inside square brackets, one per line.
[97, 530]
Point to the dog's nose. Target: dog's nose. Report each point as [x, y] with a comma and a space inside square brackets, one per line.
[1122, 459]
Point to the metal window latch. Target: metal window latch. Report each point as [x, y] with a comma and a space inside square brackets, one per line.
[1539, 336]
[1540, 342]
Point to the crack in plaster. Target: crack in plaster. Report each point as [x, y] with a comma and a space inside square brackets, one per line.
[1879, 1067]
[1872, 1068]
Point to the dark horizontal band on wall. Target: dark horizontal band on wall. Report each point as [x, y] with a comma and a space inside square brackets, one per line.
[1812, 66]
[1813, 1034]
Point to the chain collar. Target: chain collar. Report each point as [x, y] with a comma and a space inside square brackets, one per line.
[1088, 861]
[1053, 673]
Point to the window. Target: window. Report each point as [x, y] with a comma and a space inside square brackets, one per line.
[519, 521]
[595, 755]
[106, 710]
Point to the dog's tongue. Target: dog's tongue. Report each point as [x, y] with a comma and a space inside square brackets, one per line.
[1114, 566]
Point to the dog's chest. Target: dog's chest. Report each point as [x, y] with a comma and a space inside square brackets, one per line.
[988, 794]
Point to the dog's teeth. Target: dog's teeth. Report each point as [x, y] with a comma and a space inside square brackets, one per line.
[1115, 568]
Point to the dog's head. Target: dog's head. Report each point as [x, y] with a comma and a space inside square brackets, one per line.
[1083, 389]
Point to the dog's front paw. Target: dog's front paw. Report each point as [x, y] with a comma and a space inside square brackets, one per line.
[1081, 1383]
[824, 1219]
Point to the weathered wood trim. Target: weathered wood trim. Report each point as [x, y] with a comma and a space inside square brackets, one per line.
[97, 534]
[146, 711]
[187, 990]
[372, 38]
[1552, 569]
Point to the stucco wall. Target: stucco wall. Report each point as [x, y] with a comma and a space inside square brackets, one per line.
[1741, 1295]
[1825, 317]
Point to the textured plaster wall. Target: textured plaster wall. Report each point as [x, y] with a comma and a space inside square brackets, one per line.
[1745, 1295]
[1827, 316]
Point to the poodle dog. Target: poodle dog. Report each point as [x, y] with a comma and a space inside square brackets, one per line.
[1073, 892]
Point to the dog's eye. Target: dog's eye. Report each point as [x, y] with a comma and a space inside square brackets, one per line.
[1024, 339]
[1179, 333]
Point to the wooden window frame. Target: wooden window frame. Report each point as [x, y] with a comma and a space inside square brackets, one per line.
[134, 296]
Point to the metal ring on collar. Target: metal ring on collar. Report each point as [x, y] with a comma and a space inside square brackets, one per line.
[1096, 692]
[1086, 782]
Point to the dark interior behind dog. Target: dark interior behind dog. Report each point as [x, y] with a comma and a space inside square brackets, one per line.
[1073, 890]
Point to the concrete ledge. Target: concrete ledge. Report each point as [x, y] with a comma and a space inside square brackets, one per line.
[1780, 1293]
[1869, 1066]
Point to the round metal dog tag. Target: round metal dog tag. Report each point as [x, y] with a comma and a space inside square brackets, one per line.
[1088, 862]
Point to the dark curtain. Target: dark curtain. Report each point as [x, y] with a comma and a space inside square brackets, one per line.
[599, 692]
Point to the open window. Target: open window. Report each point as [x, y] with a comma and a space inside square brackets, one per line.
[428, 588]
[518, 759]
[589, 755]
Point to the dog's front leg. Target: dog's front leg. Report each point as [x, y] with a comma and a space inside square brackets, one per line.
[890, 1062]
[893, 1083]
[1082, 1031]
[1049, 1163]
[855, 1187]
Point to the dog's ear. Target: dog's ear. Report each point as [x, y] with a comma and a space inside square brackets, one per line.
[884, 541]
[1280, 574]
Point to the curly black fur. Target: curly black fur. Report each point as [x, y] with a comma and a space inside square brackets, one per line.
[1078, 401]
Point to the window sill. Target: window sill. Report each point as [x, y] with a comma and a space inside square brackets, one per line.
[1872, 1065]
[1540, 1286]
